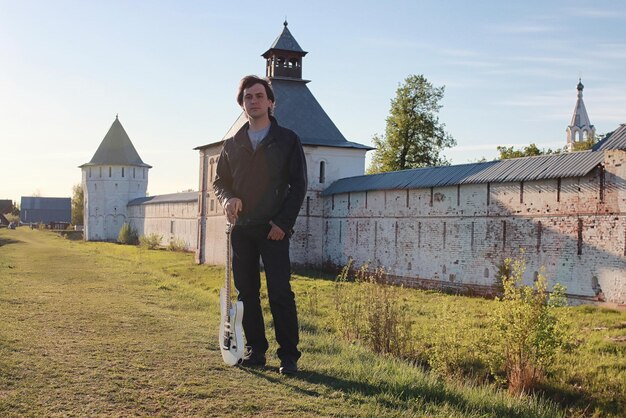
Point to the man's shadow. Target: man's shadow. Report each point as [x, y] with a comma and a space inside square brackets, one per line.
[433, 392]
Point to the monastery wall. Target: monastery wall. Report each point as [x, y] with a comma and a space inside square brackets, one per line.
[171, 220]
[324, 165]
[457, 237]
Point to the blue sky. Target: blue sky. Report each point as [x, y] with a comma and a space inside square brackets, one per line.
[170, 70]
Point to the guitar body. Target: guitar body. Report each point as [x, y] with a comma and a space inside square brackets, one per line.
[231, 330]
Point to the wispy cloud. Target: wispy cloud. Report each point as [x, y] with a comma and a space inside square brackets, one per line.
[542, 59]
[596, 13]
[525, 28]
[460, 53]
[475, 64]
[609, 51]
[395, 43]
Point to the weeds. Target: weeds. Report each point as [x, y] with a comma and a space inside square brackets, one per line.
[177, 244]
[453, 349]
[127, 235]
[373, 312]
[151, 241]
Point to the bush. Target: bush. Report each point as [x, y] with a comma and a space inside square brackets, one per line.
[177, 245]
[151, 241]
[127, 235]
[371, 311]
[528, 328]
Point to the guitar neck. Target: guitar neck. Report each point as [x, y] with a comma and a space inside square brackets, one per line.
[228, 263]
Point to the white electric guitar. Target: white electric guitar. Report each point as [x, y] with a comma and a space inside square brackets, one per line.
[231, 331]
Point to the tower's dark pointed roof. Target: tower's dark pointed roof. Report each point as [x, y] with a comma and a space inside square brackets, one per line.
[116, 149]
[285, 42]
[297, 109]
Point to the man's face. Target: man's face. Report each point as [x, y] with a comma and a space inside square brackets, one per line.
[255, 102]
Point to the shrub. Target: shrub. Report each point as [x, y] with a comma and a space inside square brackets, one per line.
[151, 241]
[528, 328]
[177, 244]
[127, 235]
[371, 311]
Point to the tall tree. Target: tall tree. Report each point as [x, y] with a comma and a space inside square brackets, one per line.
[414, 136]
[78, 199]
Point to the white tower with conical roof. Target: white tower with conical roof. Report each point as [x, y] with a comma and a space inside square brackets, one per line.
[580, 128]
[114, 176]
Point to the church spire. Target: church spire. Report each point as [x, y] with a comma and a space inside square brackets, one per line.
[580, 128]
[284, 58]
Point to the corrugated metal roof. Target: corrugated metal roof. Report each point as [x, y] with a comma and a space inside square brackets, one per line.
[116, 149]
[614, 140]
[165, 198]
[575, 164]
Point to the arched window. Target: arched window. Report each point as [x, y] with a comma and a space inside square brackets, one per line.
[322, 171]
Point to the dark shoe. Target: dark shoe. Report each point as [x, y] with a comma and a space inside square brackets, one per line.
[253, 359]
[288, 367]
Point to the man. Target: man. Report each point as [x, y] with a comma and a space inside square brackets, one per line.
[261, 182]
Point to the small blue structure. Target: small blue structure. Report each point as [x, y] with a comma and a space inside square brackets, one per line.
[46, 210]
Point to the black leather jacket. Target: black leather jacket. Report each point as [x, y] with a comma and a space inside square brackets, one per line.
[271, 181]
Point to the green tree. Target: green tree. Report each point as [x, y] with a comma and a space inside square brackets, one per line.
[586, 143]
[531, 150]
[414, 136]
[78, 200]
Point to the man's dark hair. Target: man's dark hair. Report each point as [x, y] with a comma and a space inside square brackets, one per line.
[249, 81]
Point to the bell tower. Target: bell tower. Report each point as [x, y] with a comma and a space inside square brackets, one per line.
[284, 58]
[580, 128]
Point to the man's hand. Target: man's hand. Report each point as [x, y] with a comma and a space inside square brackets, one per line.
[232, 208]
[275, 234]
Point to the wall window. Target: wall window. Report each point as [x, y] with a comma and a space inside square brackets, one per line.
[109, 171]
[133, 172]
[322, 171]
[122, 171]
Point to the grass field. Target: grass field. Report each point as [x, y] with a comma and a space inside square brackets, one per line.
[97, 329]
